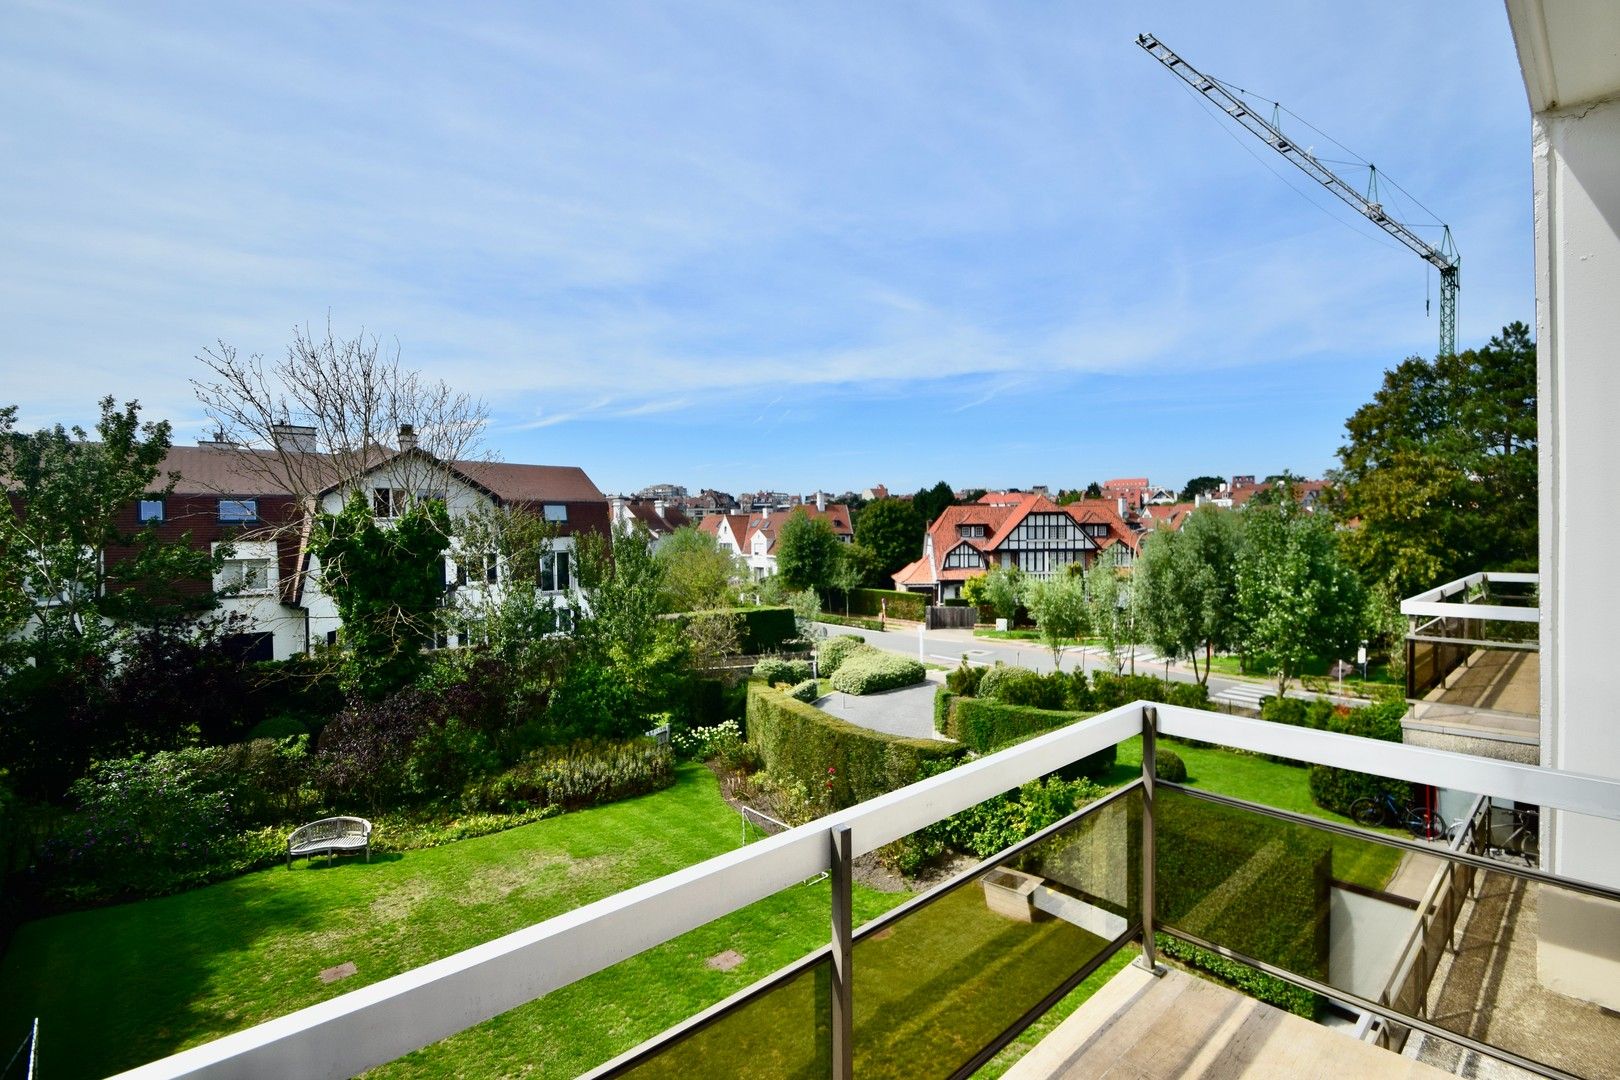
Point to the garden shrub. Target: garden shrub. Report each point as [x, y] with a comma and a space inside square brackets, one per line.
[585, 773]
[1020, 686]
[1338, 789]
[942, 709]
[1248, 882]
[699, 744]
[800, 744]
[264, 781]
[1110, 691]
[806, 691]
[1187, 695]
[774, 669]
[280, 726]
[965, 678]
[834, 651]
[1257, 984]
[872, 671]
[987, 726]
[1167, 765]
[1000, 822]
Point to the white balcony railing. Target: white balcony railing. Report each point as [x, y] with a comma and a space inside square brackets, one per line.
[378, 1023]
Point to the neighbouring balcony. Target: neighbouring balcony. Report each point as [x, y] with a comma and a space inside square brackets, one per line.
[1473, 666]
[940, 984]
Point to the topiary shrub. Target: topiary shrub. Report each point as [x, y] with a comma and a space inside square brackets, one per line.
[834, 651]
[807, 691]
[965, 679]
[1167, 765]
[871, 671]
[942, 710]
[775, 670]
[1020, 686]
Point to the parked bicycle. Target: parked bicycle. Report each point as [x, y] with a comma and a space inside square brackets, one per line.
[1420, 821]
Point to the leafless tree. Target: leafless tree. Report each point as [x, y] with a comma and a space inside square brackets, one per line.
[331, 410]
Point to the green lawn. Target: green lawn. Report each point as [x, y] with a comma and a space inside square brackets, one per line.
[1377, 673]
[1031, 635]
[1286, 787]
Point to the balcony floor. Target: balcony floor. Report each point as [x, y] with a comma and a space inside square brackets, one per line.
[1138, 1026]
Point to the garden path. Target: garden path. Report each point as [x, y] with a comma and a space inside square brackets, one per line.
[908, 712]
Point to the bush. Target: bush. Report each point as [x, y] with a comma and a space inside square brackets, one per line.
[759, 629]
[1110, 691]
[1167, 765]
[775, 670]
[834, 651]
[998, 823]
[985, 726]
[586, 773]
[280, 726]
[1187, 695]
[699, 744]
[1257, 984]
[943, 699]
[1338, 789]
[800, 744]
[902, 605]
[1020, 686]
[965, 679]
[806, 691]
[871, 671]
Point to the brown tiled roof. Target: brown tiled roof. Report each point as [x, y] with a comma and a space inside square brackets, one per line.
[836, 515]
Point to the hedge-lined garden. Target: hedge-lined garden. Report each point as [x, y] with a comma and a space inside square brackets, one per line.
[759, 629]
[901, 605]
[841, 764]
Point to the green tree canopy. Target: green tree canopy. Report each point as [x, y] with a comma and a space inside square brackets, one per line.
[930, 502]
[807, 552]
[857, 566]
[1186, 586]
[1058, 606]
[1001, 589]
[1109, 612]
[1200, 485]
[1439, 469]
[1296, 595]
[699, 574]
[893, 530]
[387, 580]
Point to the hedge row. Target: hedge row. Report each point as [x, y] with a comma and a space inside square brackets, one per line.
[799, 742]
[773, 670]
[1338, 789]
[902, 605]
[1251, 981]
[759, 629]
[872, 671]
[985, 726]
[835, 651]
[1253, 884]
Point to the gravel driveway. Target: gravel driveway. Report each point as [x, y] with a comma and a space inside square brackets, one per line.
[908, 712]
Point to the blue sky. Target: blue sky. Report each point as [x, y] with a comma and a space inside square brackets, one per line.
[760, 245]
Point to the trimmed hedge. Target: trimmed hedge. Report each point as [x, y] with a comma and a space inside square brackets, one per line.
[942, 708]
[759, 629]
[807, 691]
[902, 605]
[776, 670]
[1338, 789]
[835, 651]
[1167, 765]
[1257, 984]
[799, 742]
[871, 671]
[986, 726]
[1253, 884]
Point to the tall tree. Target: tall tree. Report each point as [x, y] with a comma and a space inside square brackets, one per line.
[1186, 586]
[1109, 612]
[1439, 469]
[893, 530]
[1058, 606]
[930, 502]
[65, 566]
[857, 566]
[1296, 596]
[1001, 589]
[1200, 485]
[699, 574]
[807, 552]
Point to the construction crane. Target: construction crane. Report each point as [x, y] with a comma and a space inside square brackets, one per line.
[1443, 258]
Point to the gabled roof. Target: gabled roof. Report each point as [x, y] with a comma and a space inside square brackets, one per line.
[836, 515]
[1027, 505]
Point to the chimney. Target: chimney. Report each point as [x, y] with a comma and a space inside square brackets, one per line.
[217, 442]
[1121, 502]
[658, 507]
[765, 511]
[407, 437]
[294, 438]
[1198, 500]
[821, 501]
[616, 504]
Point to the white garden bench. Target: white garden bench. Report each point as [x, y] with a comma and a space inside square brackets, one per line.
[330, 836]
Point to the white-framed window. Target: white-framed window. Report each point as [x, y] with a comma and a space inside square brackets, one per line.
[387, 502]
[970, 530]
[239, 510]
[554, 572]
[149, 511]
[555, 512]
[963, 556]
[246, 576]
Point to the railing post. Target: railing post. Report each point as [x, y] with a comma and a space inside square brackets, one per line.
[843, 1016]
[1150, 736]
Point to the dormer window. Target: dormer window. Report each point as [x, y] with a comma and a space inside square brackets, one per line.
[555, 512]
[970, 530]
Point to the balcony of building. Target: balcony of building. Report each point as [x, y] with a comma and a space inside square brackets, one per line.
[1473, 667]
[943, 983]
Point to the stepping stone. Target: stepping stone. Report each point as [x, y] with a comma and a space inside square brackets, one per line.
[725, 961]
[342, 971]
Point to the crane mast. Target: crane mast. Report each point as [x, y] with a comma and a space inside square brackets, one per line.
[1443, 258]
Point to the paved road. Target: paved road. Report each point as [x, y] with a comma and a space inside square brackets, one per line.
[947, 647]
[907, 712]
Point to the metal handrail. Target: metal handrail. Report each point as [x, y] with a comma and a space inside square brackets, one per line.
[375, 1024]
